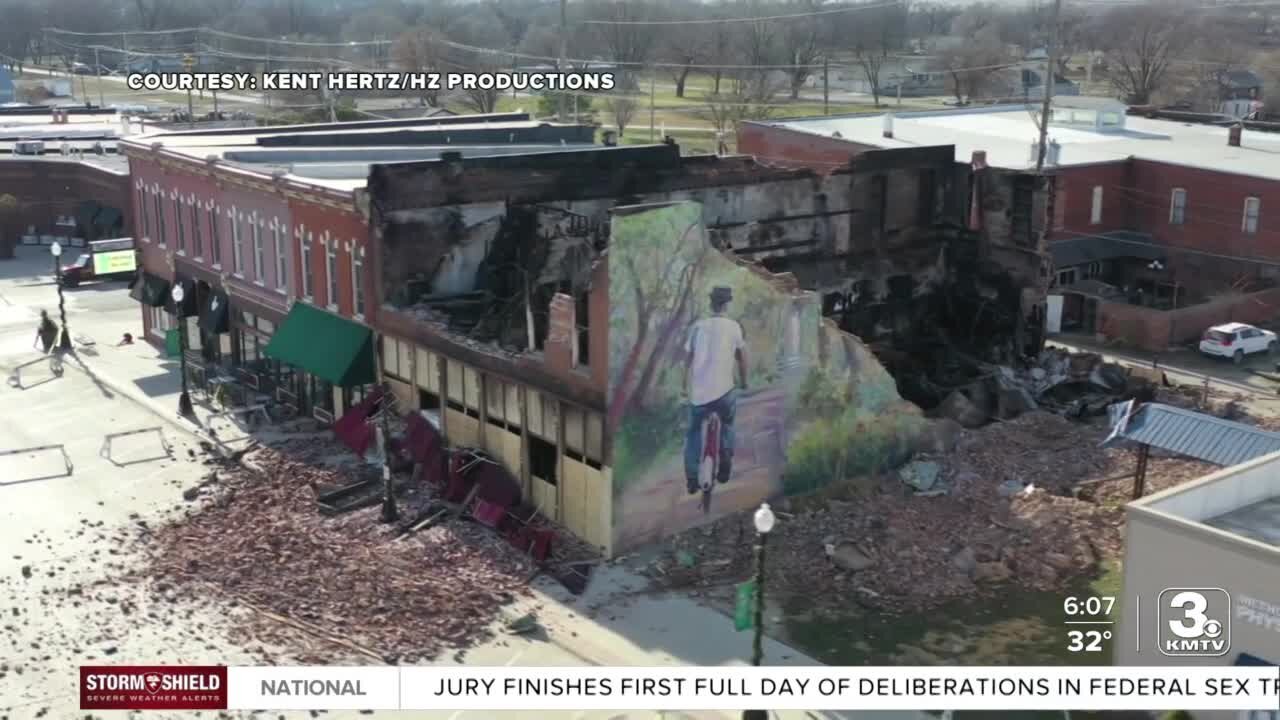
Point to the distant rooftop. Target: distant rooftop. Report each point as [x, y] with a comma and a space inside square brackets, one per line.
[1087, 131]
[339, 155]
[1242, 501]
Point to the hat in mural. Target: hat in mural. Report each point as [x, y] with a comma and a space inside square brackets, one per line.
[721, 294]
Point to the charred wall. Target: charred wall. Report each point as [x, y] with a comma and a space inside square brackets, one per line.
[907, 250]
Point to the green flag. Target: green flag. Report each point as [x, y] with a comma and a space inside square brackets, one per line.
[744, 611]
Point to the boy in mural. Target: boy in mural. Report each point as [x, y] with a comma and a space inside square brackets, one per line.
[717, 352]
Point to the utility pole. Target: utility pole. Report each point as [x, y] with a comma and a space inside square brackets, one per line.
[826, 87]
[561, 62]
[189, 62]
[1051, 63]
[97, 70]
[652, 94]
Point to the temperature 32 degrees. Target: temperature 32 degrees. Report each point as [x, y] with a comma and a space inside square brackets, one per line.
[1089, 622]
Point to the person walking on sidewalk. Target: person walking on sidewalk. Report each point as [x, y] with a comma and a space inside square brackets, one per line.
[717, 356]
[47, 332]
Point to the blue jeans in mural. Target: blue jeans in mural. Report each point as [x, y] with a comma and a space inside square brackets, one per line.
[725, 407]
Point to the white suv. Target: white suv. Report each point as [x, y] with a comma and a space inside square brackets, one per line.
[1235, 340]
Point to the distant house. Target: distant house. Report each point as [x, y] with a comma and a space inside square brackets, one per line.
[414, 111]
[1239, 93]
[6, 86]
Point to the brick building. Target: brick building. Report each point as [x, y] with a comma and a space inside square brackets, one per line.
[500, 303]
[1148, 212]
[257, 222]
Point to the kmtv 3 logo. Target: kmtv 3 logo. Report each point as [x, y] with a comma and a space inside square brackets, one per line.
[1194, 622]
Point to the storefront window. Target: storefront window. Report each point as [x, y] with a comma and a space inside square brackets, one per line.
[322, 394]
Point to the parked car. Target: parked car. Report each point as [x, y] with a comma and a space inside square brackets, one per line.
[1235, 340]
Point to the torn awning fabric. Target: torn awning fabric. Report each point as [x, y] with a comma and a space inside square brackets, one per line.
[151, 290]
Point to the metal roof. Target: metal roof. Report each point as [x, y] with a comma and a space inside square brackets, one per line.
[1105, 246]
[1204, 437]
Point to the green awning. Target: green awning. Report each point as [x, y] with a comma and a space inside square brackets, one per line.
[327, 346]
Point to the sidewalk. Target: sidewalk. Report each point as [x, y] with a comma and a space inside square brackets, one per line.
[615, 623]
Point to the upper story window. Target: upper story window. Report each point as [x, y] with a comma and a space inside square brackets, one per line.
[255, 226]
[304, 241]
[197, 241]
[215, 239]
[158, 201]
[180, 224]
[1095, 209]
[357, 281]
[144, 212]
[1178, 207]
[1252, 210]
[279, 246]
[237, 244]
[331, 271]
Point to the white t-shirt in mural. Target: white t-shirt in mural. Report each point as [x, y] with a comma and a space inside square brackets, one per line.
[713, 343]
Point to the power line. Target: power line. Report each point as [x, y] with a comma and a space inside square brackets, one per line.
[763, 18]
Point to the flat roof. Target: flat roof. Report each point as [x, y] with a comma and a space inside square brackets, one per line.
[1007, 133]
[344, 165]
[118, 164]
[1241, 501]
[1259, 521]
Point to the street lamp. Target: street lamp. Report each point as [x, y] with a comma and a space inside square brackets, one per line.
[184, 400]
[56, 251]
[764, 520]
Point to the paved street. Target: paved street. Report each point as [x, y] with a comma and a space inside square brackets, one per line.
[66, 589]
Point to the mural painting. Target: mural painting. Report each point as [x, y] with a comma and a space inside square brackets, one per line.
[726, 385]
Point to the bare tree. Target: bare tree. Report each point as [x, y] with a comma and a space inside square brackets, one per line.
[1074, 36]
[1140, 41]
[751, 99]
[151, 12]
[421, 50]
[872, 36]
[623, 43]
[799, 42]
[720, 51]
[683, 47]
[928, 19]
[1204, 79]
[969, 68]
[621, 103]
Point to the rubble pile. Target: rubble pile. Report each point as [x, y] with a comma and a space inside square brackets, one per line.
[260, 541]
[1072, 384]
[1002, 506]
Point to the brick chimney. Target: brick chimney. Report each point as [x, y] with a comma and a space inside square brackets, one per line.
[1234, 135]
[561, 346]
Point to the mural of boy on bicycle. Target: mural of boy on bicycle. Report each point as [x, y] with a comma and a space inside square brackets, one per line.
[716, 371]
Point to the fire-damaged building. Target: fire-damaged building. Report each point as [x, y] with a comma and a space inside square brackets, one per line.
[539, 306]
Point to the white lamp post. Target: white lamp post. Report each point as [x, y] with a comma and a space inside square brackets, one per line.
[56, 251]
[764, 520]
[184, 400]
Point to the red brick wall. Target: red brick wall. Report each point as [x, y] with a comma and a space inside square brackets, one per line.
[1073, 205]
[792, 148]
[349, 230]
[46, 189]
[1155, 330]
[1214, 209]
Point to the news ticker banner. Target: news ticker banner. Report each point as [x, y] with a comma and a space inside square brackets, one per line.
[678, 688]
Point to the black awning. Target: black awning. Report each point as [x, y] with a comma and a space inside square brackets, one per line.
[190, 304]
[215, 313]
[150, 290]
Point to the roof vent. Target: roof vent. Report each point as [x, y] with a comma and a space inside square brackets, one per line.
[98, 149]
[65, 148]
[888, 125]
[1235, 134]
